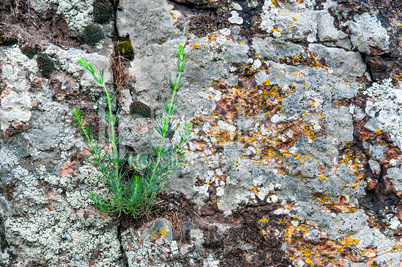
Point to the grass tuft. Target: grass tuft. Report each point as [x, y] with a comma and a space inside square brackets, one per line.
[134, 195]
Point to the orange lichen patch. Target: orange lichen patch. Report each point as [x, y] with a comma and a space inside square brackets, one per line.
[163, 232]
[351, 159]
[211, 37]
[276, 30]
[276, 3]
[321, 253]
[249, 101]
[254, 189]
[392, 153]
[311, 61]
[263, 220]
[154, 235]
[338, 205]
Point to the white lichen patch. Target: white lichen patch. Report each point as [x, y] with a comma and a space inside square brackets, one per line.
[69, 223]
[77, 13]
[8, 159]
[384, 108]
[235, 18]
[289, 22]
[14, 55]
[367, 31]
[15, 108]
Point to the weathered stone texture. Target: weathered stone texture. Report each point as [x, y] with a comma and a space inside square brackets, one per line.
[294, 157]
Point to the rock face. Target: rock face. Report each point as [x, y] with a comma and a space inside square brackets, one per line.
[295, 153]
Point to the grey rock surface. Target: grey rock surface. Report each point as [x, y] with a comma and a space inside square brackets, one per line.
[294, 156]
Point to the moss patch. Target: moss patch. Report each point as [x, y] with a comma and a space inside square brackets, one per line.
[45, 64]
[92, 34]
[103, 11]
[29, 51]
[125, 49]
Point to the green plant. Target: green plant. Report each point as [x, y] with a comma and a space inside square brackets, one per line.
[92, 34]
[29, 51]
[135, 193]
[125, 49]
[103, 10]
[45, 64]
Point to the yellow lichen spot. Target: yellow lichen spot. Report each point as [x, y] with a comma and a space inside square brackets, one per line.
[297, 157]
[288, 27]
[196, 45]
[322, 177]
[263, 220]
[302, 163]
[163, 232]
[294, 19]
[379, 131]
[154, 235]
[266, 82]
[300, 179]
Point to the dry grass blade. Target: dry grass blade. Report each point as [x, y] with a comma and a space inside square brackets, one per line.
[120, 74]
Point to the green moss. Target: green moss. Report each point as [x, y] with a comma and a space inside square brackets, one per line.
[29, 51]
[45, 64]
[103, 11]
[137, 107]
[92, 34]
[125, 49]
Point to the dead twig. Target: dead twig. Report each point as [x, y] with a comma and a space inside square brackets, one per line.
[120, 74]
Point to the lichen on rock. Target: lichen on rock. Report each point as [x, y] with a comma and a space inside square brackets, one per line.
[295, 155]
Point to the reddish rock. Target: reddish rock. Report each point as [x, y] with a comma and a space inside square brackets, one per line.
[207, 210]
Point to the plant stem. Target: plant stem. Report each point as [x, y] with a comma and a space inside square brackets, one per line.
[180, 68]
